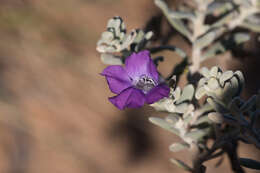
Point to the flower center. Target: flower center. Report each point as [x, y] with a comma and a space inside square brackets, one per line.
[145, 83]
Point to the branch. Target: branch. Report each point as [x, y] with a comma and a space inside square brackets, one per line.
[231, 150]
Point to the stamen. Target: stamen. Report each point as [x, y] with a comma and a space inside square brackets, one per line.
[145, 83]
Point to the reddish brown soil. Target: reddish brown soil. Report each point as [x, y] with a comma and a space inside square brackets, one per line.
[55, 116]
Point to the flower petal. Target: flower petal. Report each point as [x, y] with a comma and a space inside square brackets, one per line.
[130, 97]
[157, 93]
[117, 78]
[139, 64]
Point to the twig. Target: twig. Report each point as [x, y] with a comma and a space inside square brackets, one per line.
[231, 150]
[201, 157]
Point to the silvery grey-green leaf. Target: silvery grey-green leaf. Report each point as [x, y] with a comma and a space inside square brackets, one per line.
[202, 119]
[178, 147]
[213, 51]
[225, 76]
[182, 15]
[205, 72]
[187, 94]
[188, 119]
[219, 7]
[176, 23]
[252, 26]
[214, 71]
[202, 81]
[181, 164]
[177, 93]
[196, 135]
[164, 124]
[181, 108]
[205, 40]
[172, 118]
[110, 59]
[216, 117]
[213, 84]
[200, 92]
[241, 37]
[235, 87]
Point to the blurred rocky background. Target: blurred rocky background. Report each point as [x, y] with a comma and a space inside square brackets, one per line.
[54, 112]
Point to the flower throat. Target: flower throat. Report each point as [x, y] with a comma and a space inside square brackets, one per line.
[145, 83]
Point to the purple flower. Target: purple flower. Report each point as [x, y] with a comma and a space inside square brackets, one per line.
[137, 83]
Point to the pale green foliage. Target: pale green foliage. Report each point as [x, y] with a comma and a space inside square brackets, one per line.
[220, 85]
[204, 37]
[183, 121]
[115, 40]
[224, 116]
